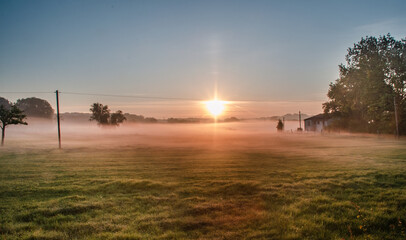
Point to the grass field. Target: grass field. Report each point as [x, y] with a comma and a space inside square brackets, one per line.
[204, 186]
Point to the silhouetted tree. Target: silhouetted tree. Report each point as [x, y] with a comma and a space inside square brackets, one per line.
[35, 107]
[4, 102]
[362, 99]
[279, 126]
[102, 115]
[117, 118]
[10, 115]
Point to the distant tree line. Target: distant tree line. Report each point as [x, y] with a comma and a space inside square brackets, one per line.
[200, 120]
[371, 87]
[184, 120]
[287, 117]
[231, 119]
[139, 118]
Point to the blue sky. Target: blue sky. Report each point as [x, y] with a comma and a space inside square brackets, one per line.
[271, 52]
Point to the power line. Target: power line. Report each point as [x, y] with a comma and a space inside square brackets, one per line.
[132, 96]
[160, 98]
[25, 92]
[179, 98]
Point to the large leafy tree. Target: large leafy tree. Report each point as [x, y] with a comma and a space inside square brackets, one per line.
[362, 99]
[9, 114]
[101, 114]
[4, 102]
[35, 107]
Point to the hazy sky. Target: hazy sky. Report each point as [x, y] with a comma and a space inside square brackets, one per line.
[281, 54]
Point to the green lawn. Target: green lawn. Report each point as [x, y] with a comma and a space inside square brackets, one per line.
[272, 187]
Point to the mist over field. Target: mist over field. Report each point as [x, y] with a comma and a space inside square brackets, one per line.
[43, 133]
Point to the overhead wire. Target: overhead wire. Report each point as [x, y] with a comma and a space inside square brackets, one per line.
[177, 98]
[153, 97]
[25, 92]
[131, 96]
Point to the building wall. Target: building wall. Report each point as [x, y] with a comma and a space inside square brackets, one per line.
[315, 125]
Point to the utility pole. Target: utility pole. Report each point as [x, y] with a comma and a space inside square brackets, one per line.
[300, 121]
[396, 117]
[283, 121]
[57, 118]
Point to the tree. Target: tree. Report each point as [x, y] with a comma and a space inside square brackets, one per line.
[279, 126]
[101, 114]
[8, 116]
[117, 118]
[35, 107]
[4, 102]
[362, 99]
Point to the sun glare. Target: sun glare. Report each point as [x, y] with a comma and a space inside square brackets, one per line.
[215, 107]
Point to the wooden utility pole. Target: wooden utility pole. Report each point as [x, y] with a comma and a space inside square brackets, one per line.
[57, 118]
[396, 117]
[283, 121]
[300, 121]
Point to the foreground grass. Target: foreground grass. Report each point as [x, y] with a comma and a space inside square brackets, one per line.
[297, 188]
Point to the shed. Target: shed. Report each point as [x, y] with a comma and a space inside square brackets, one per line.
[317, 123]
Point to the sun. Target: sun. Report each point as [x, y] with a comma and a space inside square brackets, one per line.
[215, 107]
